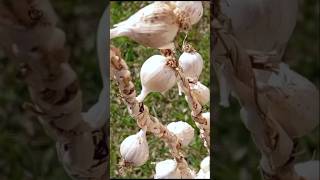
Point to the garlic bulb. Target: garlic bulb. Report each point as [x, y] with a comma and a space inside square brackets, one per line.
[134, 149]
[309, 170]
[167, 169]
[193, 9]
[250, 19]
[191, 64]
[201, 92]
[182, 130]
[289, 98]
[204, 172]
[156, 76]
[154, 26]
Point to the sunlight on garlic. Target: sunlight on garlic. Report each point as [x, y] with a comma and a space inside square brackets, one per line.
[183, 131]
[156, 76]
[134, 149]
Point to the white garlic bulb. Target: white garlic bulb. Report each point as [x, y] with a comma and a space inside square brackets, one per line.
[193, 9]
[134, 149]
[200, 92]
[191, 64]
[290, 100]
[167, 169]
[204, 172]
[309, 170]
[154, 26]
[182, 130]
[250, 19]
[156, 76]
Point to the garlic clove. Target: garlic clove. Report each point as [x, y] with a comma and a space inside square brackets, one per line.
[191, 64]
[156, 76]
[200, 92]
[167, 169]
[134, 149]
[182, 130]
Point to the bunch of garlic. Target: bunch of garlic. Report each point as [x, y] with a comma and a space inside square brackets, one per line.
[182, 130]
[204, 172]
[134, 149]
[156, 76]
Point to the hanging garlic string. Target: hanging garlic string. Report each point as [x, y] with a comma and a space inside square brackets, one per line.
[193, 103]
[140, 112]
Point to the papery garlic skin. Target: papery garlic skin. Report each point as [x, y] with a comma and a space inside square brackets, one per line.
[156, 76]
[154, 26]
[182, 130]
[191, 64]
[134, 149]
[193, 9]
[167, 169]
[200, 92]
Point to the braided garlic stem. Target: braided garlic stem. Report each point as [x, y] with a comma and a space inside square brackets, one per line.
[194, 104]
[140, 112]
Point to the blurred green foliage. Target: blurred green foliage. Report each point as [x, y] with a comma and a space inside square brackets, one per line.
[167, 108]
[235, 155]
[26, 152]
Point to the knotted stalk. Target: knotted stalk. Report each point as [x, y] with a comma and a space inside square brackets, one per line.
[140, 112]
